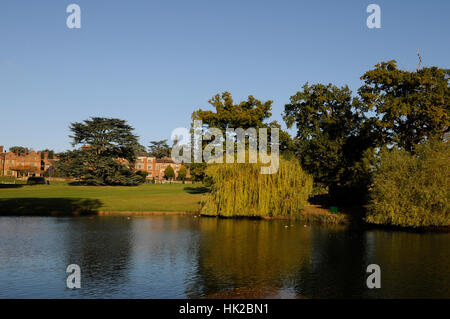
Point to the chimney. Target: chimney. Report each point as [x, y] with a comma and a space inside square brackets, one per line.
[1, 148]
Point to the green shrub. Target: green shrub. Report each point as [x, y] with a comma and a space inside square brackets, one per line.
[36, 181]
[412, 190]
[142, 174]
[241, 190]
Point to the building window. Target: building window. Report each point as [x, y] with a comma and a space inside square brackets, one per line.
[149, 167]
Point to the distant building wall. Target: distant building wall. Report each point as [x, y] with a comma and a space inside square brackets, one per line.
[31, 163]
[155, 167]
[38, 164]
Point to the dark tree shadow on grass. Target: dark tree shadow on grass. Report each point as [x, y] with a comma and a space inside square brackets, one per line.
[196, 190]
[48, 206]
[11, 185]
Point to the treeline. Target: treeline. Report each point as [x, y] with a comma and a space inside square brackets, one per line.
[347, 141]
[385, 146]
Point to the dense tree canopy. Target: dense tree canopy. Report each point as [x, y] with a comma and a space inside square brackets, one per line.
[328, 141]
[105, 142]
[412, 189]
[18, 149]
[227, 114]
[107, 137]
[410, 106]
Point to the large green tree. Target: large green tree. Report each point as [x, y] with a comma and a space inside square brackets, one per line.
[169, 173]
[227, 114]
[410, 107]
[329, 142]
[108, 150]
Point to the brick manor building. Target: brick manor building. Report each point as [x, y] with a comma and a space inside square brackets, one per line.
[27, 164]
[155, 167]
[36, 164]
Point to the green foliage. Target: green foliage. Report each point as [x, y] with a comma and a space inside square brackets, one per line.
[249, 113]
[337, 136]
[410, 106]
[51, 153]
[241, 190]
[142, 174]
[107, 137]
[18, 149]
[93, 169]
[412, 189]
[331, 137]
[36, 181]
[105, 141]
[197, 171]
[169, 173]
[159, 149]
[182, 172]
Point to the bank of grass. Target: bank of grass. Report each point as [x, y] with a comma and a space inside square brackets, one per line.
[315, 214]
[11, 180]
[61, 198]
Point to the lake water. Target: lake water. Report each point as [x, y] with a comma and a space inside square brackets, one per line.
[189, 257]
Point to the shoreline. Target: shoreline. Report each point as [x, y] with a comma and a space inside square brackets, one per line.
[143, 213]
[313, 214]
[322, 218]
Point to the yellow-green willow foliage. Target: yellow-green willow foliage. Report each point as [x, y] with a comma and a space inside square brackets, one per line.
[241, 190]
[412, 190]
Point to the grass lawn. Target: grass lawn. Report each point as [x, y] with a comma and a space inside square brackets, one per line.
[63, 198]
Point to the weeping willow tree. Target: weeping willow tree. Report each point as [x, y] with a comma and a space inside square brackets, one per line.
[241, 190]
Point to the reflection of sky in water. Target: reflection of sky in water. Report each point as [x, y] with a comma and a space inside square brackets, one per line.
[183, 256]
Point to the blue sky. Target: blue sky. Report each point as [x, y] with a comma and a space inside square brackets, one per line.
[154, 62]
